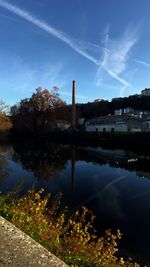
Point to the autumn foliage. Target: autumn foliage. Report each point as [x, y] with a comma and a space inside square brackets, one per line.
[5, 122]
[70, 237]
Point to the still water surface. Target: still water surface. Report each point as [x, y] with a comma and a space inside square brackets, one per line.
[113, 183]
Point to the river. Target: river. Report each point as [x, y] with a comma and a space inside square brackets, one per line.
[115, 184]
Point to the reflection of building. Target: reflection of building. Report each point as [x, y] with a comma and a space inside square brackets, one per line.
[73, 161]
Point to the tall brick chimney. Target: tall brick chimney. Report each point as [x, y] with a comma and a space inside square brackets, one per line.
[73, 105]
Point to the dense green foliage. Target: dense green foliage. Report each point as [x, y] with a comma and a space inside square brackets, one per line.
[70, 237]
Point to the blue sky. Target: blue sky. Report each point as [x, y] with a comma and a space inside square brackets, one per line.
[102, 44]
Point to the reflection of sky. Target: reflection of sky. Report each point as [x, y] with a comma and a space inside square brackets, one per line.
[119, 198]
[17, 175]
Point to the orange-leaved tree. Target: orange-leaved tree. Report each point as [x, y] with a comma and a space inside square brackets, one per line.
[5, 122]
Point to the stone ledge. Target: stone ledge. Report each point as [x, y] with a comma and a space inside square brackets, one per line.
[17, 249]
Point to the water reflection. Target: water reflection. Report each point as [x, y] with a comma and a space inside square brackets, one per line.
[117, 190]
[5, 169]
[73, 160]
[45, 159]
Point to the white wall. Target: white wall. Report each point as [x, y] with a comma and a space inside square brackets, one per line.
[107, 127]
[63, 126]
[118, 112]
[135, 130]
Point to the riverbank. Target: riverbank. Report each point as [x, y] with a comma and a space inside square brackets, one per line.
[71, 238]
[18, 249]
[127, 141]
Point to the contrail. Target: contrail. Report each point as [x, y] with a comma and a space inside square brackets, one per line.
[116, 77]
[99, 191]
[75, 45]
[46, 27]
[139, 195]
[143, 63]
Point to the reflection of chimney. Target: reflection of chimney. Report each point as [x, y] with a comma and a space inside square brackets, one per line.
[73, 105]
[73, 160]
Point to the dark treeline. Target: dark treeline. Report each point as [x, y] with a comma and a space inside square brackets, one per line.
[44, 110]
[104, 107]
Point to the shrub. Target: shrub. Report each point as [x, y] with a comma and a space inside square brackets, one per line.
[70, 237]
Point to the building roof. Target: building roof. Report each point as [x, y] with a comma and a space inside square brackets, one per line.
[113, 119]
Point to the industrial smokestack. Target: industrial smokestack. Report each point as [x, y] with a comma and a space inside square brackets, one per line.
[73, 105]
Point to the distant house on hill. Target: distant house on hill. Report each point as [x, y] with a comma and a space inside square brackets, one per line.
[127, 110]
[146, 92]
[98, 100]
[143, 114]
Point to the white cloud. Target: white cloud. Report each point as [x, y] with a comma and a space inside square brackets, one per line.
[70, 95]
[24, 78]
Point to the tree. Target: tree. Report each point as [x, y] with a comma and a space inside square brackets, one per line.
[3, 107]
[38, 113]
[5, 122]
[41, 101]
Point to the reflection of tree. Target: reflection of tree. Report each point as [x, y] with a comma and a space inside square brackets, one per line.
[4, 169]
[44, 159]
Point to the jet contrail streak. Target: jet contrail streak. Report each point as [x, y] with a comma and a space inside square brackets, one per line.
[44, 26]
[101, 190]
[76, 46]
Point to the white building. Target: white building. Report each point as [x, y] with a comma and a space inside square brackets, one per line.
[146, 92]
[127, 110]
[98, 100]
[107, 128]
[118, 111]
[146, 126]
[114, 123]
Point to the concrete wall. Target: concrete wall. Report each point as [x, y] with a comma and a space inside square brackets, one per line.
[107, 128]
[135, 130]
[19, 250]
